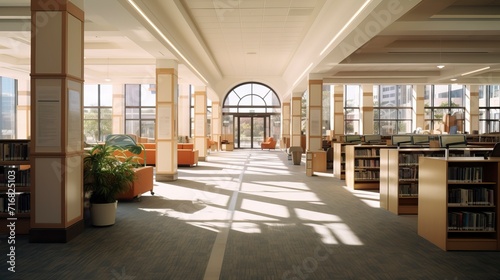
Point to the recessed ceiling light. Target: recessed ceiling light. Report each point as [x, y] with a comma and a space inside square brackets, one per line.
[453, 79]
[440, 66]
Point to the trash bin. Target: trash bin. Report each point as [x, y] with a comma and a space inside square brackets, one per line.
[296, 153]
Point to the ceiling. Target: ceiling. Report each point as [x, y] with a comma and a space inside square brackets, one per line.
[282, 43]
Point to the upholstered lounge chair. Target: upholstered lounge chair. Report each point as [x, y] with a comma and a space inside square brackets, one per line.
[270, 143]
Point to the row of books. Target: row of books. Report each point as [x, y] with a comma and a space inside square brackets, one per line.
[367, 152]
[366, 174]
[367, 162]
[408, 173]
[21, 205]
[15, 174]
[472, 196]
[406, 190]
[465, 174]
[471, 221]
[14, 151]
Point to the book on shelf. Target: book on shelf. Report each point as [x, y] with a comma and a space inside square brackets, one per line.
[471, 197]
[19, 204]
[457, 174]
[471, 221]
[15, 151]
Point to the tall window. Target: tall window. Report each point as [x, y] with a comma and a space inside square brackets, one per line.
[140, 110]
[441, 100]
[352, 95]
[489, 108]
[392, 109]
[97, 112]
[8, 103]
[327, 95]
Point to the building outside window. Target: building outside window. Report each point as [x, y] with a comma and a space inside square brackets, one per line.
[392, 109]
[140, 110]
[489, 108]
[352, 97]
[97, 112]
[8, 104]
[442, 100]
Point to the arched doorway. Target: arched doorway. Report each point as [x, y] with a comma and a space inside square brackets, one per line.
[251, 112]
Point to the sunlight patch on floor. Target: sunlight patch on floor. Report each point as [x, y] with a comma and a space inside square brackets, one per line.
[270, 209]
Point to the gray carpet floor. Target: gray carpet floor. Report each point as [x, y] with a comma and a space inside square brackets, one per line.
[250, 214]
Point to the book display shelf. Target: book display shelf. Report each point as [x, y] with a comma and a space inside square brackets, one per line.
[15, 186]
[399, 178]
[339, 160]
[458, 202]
[399, 190]
[362, 166]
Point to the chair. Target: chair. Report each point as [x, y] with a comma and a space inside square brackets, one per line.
[270, 143]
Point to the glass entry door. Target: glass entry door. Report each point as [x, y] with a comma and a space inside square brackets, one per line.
[250, 131]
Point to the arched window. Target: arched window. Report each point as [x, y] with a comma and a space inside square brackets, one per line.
[251, 98]
[251, 113]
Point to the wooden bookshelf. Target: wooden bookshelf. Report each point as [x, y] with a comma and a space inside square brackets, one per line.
[362, 166]
[469, 223]
[339, 160]
[399, 178]
[15, 185]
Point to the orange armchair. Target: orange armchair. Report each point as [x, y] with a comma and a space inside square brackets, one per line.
[270, 143]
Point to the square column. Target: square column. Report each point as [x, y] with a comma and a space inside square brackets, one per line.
[296, 130]
[285, 125]
[200, 122]
[118, 106]
[471, 108]
[56, 121]
[185, 111]
[216, 122]
[367, 125]
[338, 110]
[314, 116]
[166, 120]
[419, 106]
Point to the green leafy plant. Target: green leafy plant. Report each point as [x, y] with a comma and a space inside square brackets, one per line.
[108, 173]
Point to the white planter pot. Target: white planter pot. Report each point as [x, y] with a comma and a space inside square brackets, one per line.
[103, 214]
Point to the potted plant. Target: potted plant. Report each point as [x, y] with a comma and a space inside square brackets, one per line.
[106, 175]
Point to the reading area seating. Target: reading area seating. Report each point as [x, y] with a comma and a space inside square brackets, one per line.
[270, 143]
[186, 154]
[143, 183]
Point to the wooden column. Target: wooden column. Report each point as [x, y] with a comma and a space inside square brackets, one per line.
[338, 110]
[285, 125]
[419, 107]
[184, 111]
[118, 109]
[366, 125]
[166, 120]
[314, 115]
[216, 122]
[56, 121]
[472, 108]
[200, 122]
[296, 122]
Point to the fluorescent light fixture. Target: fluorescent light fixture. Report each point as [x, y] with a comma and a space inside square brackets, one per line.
[453, 79]
[134, 5]
[345, 26]
[440, 66]
[475, 71]
[302, 74]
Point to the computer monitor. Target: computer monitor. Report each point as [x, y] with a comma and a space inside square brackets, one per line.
[399, 139]
[420, 139]
[495, 153]
[372, 138]
[352, 138]
[455, 140]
